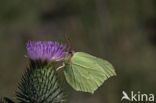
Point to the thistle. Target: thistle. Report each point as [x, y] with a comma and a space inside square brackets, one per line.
[45, 51]
[39, 84]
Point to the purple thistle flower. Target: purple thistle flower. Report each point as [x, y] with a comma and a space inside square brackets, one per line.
[45, 50]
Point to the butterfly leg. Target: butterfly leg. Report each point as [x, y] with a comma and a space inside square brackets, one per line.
[63, 65]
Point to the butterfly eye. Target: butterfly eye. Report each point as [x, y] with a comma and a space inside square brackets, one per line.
[72, 52]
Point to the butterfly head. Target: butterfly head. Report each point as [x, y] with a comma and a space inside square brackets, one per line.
[71, 53]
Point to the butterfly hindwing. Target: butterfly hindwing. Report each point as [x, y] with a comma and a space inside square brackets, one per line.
[86, 72]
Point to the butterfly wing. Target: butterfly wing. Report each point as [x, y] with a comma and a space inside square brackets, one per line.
[86, 72]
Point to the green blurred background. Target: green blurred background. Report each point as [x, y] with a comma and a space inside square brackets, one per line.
[121, 31]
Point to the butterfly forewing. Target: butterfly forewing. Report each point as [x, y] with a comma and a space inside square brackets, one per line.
[86, 73]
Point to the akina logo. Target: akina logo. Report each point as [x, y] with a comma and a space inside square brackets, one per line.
[137, 96]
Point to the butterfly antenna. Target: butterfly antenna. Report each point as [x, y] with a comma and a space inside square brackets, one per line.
[69, 43]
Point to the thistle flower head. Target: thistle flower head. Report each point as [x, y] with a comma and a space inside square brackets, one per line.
[45, 50]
